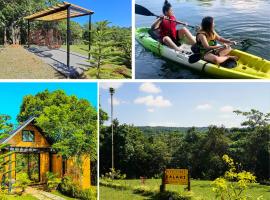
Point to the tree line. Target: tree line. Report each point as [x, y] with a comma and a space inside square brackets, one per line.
[139, 153]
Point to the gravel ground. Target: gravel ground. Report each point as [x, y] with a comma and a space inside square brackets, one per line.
[17, 63]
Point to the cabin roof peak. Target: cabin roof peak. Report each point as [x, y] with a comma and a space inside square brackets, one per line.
[15, 131]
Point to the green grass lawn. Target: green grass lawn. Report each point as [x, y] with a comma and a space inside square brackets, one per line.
[200, 190]
[79, 48]
[23, 197]
[106, 193]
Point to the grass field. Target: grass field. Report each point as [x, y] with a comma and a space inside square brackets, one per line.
[23, 197]
[200, 190]
[79, 48]
[18, 63]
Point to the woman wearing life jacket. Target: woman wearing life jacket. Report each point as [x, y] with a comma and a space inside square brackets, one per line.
[207, 39]
[169, 35]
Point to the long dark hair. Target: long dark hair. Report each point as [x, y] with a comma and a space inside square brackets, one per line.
[166, 6]
[207, 26]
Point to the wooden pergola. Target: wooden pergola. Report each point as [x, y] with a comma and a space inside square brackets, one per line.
[61, 11]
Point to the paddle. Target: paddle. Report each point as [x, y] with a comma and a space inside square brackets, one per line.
[198, 56]
[140, 10]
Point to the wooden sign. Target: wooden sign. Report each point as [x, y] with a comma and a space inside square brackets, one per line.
[176, 176]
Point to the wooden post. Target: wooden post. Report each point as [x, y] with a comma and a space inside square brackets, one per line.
[28, 33]
[68, 37]
[90, 28]
[189, 186]
[163, 184]
[9, 174]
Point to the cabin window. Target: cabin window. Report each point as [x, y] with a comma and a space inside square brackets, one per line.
[28, 136]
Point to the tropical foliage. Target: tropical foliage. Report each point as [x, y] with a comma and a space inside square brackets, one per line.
[69, 122]
[146, 151]
[233, 185]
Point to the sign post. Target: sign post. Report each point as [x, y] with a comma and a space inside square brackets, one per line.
[175, 177]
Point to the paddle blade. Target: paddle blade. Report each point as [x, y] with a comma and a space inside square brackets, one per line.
[140, 10]
[194, 58]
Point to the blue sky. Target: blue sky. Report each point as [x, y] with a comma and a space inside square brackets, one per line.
[118, 12]
[12, 94]
[185, 104]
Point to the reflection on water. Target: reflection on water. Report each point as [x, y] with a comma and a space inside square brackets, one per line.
[235, 19]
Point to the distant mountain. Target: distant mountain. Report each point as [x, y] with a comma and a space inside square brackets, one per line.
[160, 129]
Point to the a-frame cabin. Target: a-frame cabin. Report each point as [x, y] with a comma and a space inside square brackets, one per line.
[33, 154]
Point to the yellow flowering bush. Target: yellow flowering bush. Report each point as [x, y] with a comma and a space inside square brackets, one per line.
[233, 185]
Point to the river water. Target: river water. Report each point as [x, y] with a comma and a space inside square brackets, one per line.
[235, 19]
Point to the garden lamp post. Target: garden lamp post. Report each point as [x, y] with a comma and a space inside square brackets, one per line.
[112, 91]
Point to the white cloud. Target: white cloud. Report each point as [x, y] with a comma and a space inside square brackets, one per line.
[226, 109]
[205, 106]
[152, 101]
[150, 110]
[149, 88]
[114, 85]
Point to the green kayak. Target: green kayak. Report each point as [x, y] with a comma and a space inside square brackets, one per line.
[248, 66]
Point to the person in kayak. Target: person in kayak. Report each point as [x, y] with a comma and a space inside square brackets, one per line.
[169, 35]
[206, 39]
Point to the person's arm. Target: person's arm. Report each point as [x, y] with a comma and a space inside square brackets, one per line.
[204, 42]
[157, 23]
[223, 40]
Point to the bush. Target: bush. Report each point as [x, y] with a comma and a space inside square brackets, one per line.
[114, 174]
[233, 185]
[87, 194]
[3, 195]
[22, 181]
[52, 182]
[68, 188]
[143, 190]
[111, 184]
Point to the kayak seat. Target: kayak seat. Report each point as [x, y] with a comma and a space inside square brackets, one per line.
[230, 63]
[154, 34]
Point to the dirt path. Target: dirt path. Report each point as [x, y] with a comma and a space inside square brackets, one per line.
[17, 63]
[42, 195]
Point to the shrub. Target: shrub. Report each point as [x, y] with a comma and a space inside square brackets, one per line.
[68, 188]
[233, 185]
[144, 190]
[114, 174]
[3, 195]
[22, 181]
[87, 194]
[52, 181]
[111, 184]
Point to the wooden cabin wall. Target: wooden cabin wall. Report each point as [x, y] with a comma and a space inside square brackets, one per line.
[40, 140]
[81, 177]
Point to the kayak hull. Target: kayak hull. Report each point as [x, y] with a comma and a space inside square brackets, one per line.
[248, 65]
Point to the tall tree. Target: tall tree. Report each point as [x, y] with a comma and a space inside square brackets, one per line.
[12, 13]
[71, 123]
[5, 128]
[103, 51]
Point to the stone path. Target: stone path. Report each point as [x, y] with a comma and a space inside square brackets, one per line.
[57, 58]
[42, 195]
